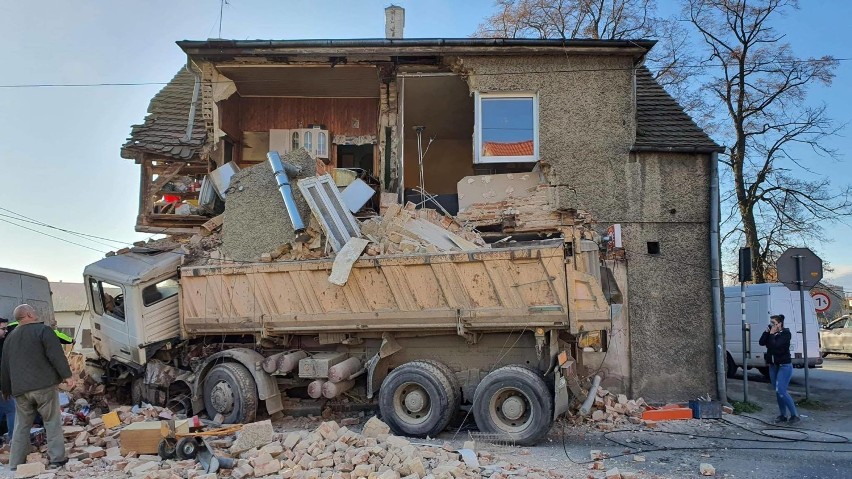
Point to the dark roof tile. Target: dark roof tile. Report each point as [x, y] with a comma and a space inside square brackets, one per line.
[661, 123]
[164, 128]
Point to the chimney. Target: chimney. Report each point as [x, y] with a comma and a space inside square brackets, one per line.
[394, 22]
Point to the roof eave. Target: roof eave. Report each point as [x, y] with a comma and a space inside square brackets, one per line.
[677, 149]
[224, 49]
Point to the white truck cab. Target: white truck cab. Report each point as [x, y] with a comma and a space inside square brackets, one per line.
[134, 300]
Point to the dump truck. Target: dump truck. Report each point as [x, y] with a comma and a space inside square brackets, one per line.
[422, 336]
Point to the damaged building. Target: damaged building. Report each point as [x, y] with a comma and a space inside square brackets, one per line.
[521, 139]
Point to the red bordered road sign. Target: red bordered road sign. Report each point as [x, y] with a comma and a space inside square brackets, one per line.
[822, 302]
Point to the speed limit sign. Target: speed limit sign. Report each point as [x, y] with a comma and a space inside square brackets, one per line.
[822, 302]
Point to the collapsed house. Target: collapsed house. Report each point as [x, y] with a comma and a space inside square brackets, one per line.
[516, 139]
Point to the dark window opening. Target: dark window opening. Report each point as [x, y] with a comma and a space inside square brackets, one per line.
[653, 247]
[355, 157]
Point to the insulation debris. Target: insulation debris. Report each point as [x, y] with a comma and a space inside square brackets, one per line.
[255, 218]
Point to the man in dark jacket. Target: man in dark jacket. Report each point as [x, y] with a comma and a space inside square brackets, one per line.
[39, 366]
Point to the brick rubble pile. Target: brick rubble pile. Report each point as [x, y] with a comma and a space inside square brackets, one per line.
[329, 451]
[611, 411]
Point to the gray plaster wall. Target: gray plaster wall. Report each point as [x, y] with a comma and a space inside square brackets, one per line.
[587, 127]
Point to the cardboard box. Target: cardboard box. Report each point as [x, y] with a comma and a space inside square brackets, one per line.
[144, 437]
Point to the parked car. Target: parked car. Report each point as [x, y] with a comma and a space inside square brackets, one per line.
[836, 337]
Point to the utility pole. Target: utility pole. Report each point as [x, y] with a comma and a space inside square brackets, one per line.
[745, 275]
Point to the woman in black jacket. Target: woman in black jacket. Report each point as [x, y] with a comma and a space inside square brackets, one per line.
[776, 338]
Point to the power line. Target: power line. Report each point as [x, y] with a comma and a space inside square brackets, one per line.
[502, 73]
[27, 219]
[51, 236]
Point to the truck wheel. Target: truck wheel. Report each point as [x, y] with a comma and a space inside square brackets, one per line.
[515, 403]
[230, 390]
[764, 371]
[732, 367]
[417, 399]
[456, 399]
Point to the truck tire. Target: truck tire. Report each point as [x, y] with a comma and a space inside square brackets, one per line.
[731, 370]
[514, 403]
[230, 390]
[764, 371]
[456, 400]
[417, 399]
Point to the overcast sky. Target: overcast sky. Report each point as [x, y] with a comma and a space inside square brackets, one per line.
[59, 146]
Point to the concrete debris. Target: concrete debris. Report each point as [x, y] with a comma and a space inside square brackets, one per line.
[345, 258]
[256, 434]
[515, 202]
[612, 410]
[255, 218]
[707, 469]
[375, 428]
[329, 450]
[407, 230]
[401, 230]
[30, 469]
[613, 473]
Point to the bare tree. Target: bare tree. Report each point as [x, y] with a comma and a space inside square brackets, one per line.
[600, 19]
[772, 134]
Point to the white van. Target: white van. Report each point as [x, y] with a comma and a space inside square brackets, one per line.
[18, 287]
[763, 300]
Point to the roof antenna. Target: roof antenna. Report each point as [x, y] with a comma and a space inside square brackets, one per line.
[222, 4]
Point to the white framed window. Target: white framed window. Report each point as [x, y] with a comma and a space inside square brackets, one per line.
[506, 128]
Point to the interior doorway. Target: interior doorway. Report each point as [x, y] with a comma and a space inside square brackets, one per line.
[356, 157]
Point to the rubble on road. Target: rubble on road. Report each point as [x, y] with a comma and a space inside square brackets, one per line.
[610, 411]
[328, 451]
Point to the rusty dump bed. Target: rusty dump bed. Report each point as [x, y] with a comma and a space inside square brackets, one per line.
[497, 289]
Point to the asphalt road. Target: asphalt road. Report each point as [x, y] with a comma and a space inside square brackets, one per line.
[740, 446]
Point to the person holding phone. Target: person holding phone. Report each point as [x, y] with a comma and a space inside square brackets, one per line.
[776, 338]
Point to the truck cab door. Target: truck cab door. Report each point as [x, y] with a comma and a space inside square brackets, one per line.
[110, 332]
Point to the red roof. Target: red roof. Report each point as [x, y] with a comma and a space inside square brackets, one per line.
[518, 148]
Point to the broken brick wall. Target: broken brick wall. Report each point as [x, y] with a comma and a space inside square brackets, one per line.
[587, 125]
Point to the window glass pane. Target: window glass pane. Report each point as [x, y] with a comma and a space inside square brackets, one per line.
[507, 127]
[309, 140]
[160, 291]
[97, 300]
[108, 298]
[295, 140]
[321, 144]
